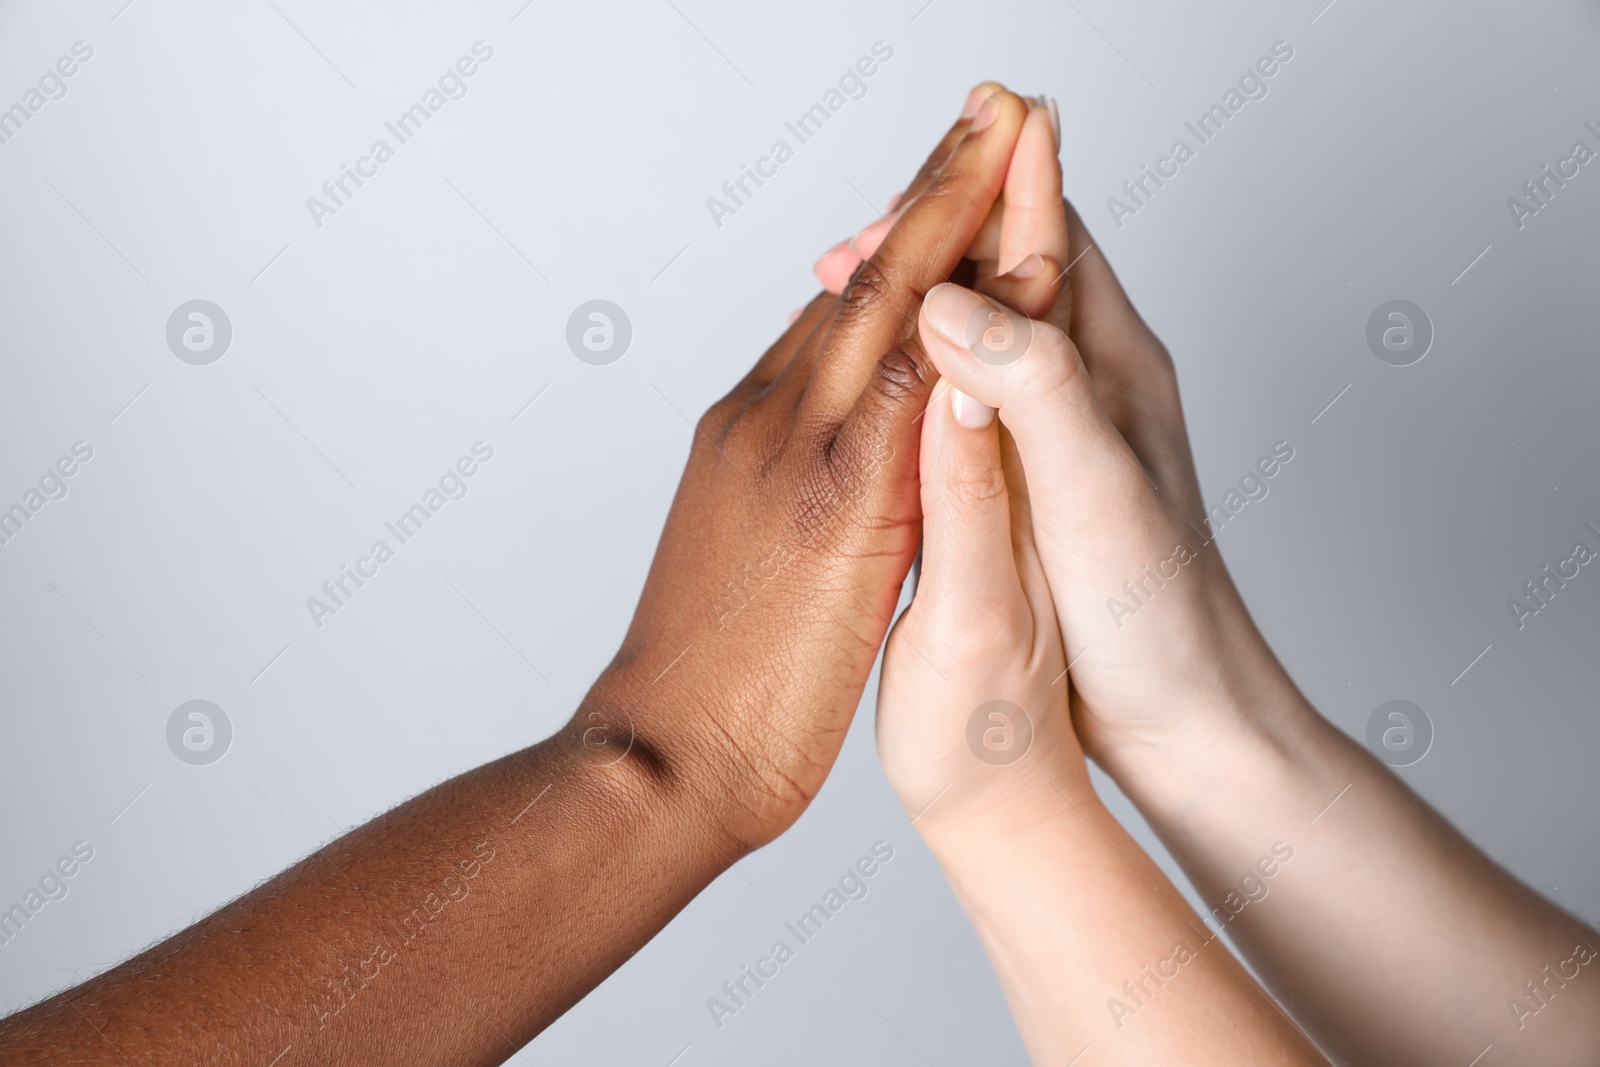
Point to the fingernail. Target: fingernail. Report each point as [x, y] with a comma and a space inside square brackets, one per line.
[1055, 120]
[1029, 268]
[794, 316]
[976, 98]
[986, 116]
[968, 412]
[947, 307]
[961, 323]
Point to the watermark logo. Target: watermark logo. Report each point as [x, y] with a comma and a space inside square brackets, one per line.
[199, 732]
[1543, 187]
[607, 734]
[852, 885]
[1399, 333]
[997, 337]
[851, 85]
[1252, 85]
[199, 332]
[1252, 487]
[51, 86]
[1539, 991]
[52, 485]
[999, 733]
[392, 939]
[51, 887]
[451, 85]
[338, 591]
[599, 332]
[1540, 591]
[1399, 733]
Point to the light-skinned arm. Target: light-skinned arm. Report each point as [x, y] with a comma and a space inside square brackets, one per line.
[1100, 957]
[1383, 930]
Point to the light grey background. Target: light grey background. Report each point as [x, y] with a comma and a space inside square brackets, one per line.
[370, 353]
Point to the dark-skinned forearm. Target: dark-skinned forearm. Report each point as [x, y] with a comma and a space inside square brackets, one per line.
[450, 930]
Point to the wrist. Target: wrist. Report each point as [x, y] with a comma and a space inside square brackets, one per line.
[1260, 730]
[1007, 816]
[648, 737]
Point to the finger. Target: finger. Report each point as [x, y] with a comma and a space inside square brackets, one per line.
[967, 550]
[940, 156]
[1102, 316]
[1030, 569]
[838, 263]
[1034, 183]
[985, 247]
[1032, 374]
[878, 308]
[775, 359]
[870, 239]
[1030, 216]
[1035, 219]
[836, 266]
[1031, 289]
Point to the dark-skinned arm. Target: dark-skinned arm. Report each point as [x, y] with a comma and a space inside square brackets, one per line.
[454, 928]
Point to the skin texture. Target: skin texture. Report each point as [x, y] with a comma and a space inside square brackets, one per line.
[1387, 934]
[1099, 955]
[454, 928]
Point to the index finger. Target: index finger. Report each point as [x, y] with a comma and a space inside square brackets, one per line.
[879, 307]
[838, 263]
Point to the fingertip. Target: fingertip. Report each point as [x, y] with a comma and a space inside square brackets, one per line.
[985, 117]
[942, 327]
[1035, 219]
[966, 519]
[1030, 267]
[980, 92]
[946, 309]
[972, 414]
[836, 266]
[1032, 287]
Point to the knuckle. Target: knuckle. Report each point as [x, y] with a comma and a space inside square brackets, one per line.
[1055, 363]
[975, 633]
[998, 628]
[950, 184]
[972, 487]
[717, 419]
[1163, 373]
[901, 374]
[931, 168]
[872, 286]
[841, 485]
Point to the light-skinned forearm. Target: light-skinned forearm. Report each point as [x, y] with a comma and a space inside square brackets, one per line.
[1098, 954]
[1390, 937]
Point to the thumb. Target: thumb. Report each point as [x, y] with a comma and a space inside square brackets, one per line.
[1031, 372]
[968, 560]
